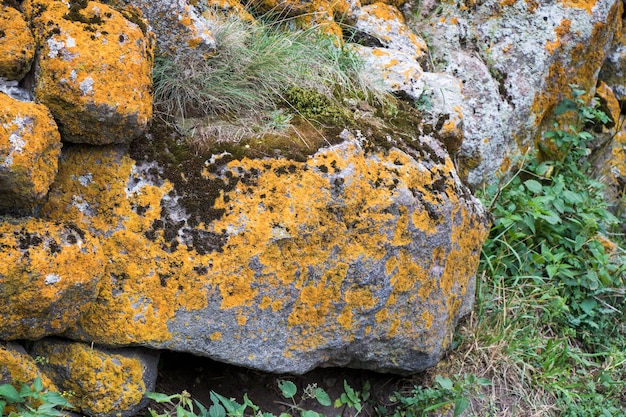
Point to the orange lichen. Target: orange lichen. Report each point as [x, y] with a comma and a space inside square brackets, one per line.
[17, 45]
[102, 383]
[587, 5]
[17, 367]
[94, 71]
[49, 275]
[30, 146]
[560, 31]
[584, 63]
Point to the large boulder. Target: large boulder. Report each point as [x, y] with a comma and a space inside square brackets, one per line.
[94, 70]
[30, 146]
[516, 60]
[363, 255]
[49, 276]
[103, 382]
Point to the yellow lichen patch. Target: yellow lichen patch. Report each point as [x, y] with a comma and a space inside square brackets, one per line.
[215, 336]
[585, 61]
[49, 276]
[144, 285]
[462, 260]
[560, 31]
[17, 45]
[17, 367]
[587, 5]
[30, 146]
[606, 94]
[102, 383]
[94, 71]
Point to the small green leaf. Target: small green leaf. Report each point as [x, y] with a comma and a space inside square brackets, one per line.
[160, 398]
[589, 305]
[533, 186]
[287, 388]
[37, 384]
[322, 397]
[460, 406]
[216, 410]
[564, 106]
[446, 383]
[309, 413]
[10, 394]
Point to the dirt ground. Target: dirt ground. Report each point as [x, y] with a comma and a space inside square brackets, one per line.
[199, 376]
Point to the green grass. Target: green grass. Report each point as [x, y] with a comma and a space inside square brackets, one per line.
[254, 68]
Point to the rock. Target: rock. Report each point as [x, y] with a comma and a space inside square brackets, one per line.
[30, 146]
[18, 367]
[178, 25]
[400, 72]
[362, 256]
[17, 45]
[104, 382]
[94, 70]
[386, 25]
[49, 276]
[613, 70]
[610, 156]
[516, 60]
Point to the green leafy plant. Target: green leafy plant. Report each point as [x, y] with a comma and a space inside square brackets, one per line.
[182, 405]
[550, 226]
[31, 400]
[445, 394]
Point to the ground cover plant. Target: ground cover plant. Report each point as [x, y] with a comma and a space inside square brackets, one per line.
[548, 324]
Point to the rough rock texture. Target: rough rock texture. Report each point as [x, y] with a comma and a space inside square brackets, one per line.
[178, 26]
[610, 157]
[49, 276]
[105, 382]
[17, 367]
[613, 71]
[360, 256]
[516, 59]
[94, 70]
[30, 146]
[17, 45]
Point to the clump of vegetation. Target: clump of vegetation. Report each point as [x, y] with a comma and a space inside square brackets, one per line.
[254, 69]
[31, 400]
[548, 325]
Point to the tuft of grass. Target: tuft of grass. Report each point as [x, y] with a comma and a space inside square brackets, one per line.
[254, 67]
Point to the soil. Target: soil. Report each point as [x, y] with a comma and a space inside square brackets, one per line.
[199, 376]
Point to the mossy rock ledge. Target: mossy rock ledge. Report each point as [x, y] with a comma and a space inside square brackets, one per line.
[360, 255]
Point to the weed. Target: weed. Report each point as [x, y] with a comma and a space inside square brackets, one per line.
[181, 405]
[31, 401]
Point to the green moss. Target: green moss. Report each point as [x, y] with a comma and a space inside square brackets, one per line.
[314, 105]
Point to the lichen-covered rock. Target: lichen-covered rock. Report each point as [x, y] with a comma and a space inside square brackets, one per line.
[18, 367]
[30, 146]
[360, 256]
[610, 158]
[400, 72]
[516, 60]
[104, 382]
[386, 25]
[178, 25]
[49, 276]
[17, 44]
[94, 70]
[614, 69]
